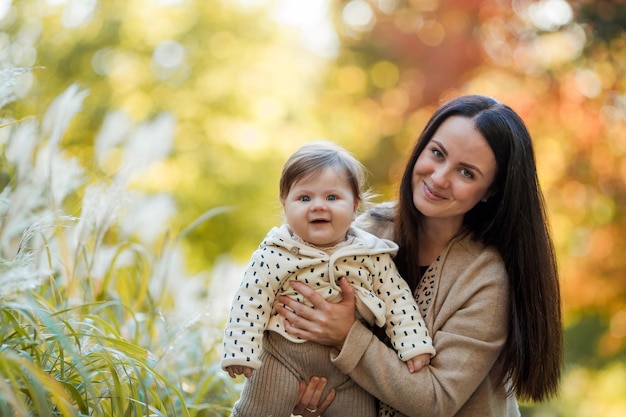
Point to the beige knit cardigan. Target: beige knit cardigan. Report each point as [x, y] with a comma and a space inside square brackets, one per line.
[467, 318]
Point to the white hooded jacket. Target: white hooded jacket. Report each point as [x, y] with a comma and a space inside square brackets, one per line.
[382, 296]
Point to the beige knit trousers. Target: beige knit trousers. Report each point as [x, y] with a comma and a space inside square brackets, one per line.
[272, 391]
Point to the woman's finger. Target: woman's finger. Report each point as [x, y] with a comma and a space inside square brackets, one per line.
[309, 397]
[296, 307]
[312, 297]
[313, 391]
[327, 401]
[326, 323]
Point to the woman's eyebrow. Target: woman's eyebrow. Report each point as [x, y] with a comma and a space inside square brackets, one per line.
[443, 148]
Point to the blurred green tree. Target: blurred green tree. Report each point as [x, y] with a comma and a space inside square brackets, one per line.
[245, 92]
[242, 94]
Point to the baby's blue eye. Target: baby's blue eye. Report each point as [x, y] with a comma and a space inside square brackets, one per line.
[305, 198]
[331, 198]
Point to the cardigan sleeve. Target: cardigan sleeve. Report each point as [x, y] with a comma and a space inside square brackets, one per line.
[471, 328]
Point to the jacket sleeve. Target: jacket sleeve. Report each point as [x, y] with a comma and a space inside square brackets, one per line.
[472, 329]
[249, 315]
[404, 324]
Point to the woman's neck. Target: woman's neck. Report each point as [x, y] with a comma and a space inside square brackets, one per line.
[434, 236]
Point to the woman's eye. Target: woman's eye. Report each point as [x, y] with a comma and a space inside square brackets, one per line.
[331, 198]
[467, 173]
[437, 153]
[305, 198]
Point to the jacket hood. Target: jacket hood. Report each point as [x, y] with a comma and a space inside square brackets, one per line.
[364, 242]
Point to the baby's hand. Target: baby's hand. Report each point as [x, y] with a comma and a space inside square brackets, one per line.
[418, 362]
[233, 371]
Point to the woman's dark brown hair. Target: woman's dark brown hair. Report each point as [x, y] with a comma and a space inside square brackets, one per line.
[514, 221]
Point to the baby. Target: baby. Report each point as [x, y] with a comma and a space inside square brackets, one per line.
[320, 191]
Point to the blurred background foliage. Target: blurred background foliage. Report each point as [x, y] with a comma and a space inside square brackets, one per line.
[242, 83]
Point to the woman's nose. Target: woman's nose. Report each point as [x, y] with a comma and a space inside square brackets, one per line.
[440, 177]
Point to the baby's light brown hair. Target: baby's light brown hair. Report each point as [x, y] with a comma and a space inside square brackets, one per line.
[314, 157]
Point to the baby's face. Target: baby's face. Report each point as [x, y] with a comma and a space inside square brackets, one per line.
[320, 207]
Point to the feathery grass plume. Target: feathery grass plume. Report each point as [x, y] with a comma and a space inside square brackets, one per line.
[115, 128]
[148, 215]
[139, 146]
[35, 187]
[5, 201]
[150, 142]
[167, 280]
[61, 112]
[101, 207]
[20, 146]
[100, 336]
[8, 82]
[58, 174]
[61, 174]
[20, 274]
[27, 269]
[46, 222]
[26, 202]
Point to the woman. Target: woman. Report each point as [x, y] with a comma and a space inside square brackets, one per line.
[476, 250]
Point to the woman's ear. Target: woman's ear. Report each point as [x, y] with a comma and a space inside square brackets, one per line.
[490, 193]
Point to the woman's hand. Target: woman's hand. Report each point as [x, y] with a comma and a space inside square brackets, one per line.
[309, 396]
[326, 323]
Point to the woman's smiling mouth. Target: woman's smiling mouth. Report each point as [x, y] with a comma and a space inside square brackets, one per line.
[431, 194]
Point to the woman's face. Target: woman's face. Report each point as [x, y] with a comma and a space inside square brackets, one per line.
[454, 172]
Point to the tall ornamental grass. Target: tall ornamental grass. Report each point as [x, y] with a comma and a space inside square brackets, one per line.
[91, 322]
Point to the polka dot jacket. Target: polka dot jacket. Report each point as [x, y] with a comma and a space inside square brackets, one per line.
[382, 296]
